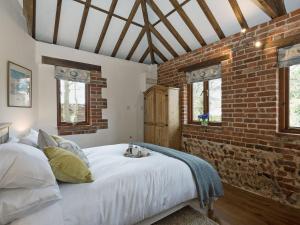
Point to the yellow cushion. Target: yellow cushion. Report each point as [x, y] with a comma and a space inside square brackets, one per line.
[67, 167]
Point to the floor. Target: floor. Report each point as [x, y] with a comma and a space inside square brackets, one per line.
[239, 207]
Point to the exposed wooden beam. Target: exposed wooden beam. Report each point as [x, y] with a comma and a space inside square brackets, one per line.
[29, 11]
[144, 56]
[107, 12]
[211, 18]
[126, 26]
[170, 27]
[70, 64]
[271, 7]
[203, 64]
[281, 8]
[188, 22]
[106, 25]
[57, 19]
[163, 41]
[160, 54]
[146, 21]
[171, 12]
[284, 42]
[238, 14]
[83, 22]
[136, 43]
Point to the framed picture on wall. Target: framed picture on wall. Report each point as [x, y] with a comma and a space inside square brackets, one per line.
[19, 89]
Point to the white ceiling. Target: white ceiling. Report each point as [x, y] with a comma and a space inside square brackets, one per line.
[71, 14]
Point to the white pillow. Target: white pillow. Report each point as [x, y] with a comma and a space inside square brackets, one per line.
[31, 138]
[23, 166]
[18, 203]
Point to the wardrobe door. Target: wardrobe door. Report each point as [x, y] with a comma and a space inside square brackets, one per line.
[161, 107]
[149, 117]
[150, 107]
[149, 136]
[161, 136]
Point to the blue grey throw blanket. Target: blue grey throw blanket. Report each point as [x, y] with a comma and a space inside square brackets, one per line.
[207, 179]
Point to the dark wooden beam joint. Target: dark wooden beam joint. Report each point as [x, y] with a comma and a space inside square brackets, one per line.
[83, 22]
[29, 11]
[149, 38]
[204, 64]
[70, 64]
[272, 8]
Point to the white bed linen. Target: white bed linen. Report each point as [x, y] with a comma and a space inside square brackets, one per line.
[125, 190]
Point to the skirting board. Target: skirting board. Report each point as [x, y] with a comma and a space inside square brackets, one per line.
[192, 203]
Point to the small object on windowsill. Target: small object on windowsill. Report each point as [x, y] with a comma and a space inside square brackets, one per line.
[203, 118]
[136, 152]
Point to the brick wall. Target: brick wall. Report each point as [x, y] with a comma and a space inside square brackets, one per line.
[247, 150]
[97, 103]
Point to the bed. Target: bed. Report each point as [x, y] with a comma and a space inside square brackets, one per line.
[125, 191]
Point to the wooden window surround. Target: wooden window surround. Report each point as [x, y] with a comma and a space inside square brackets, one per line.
[87, 107]
[205, 104]
[284, 102]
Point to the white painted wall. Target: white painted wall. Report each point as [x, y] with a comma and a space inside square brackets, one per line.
[16, 46]
[126, 83]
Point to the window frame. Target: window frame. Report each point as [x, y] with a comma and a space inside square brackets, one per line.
[284, 90]
[87, 107]
[205, 104]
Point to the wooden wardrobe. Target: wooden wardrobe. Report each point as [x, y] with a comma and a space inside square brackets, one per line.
[162, 119]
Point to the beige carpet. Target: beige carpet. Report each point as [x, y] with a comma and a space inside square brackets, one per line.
[186, 216]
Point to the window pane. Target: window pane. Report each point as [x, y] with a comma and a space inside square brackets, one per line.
[215, 100]
[197, 100]
[294, 95]
[72, 99]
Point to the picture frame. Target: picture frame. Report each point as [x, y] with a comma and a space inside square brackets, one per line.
[19, 86]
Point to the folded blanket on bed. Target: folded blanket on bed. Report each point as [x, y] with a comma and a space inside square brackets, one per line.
[207, 179]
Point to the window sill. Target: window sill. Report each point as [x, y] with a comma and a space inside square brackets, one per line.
[204, 127]
[219, 124]
[287, 134]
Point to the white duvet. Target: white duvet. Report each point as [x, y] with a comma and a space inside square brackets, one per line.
[125, 190]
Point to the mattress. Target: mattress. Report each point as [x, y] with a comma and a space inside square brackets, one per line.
[125, 190]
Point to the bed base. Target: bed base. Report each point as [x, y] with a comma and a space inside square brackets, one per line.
[192, 203]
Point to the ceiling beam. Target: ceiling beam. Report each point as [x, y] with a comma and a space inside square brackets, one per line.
[136, 43]
[106, 25]
[83, 22]
[57, 19]
[146, 21]
[171, 12]
[163, 41]
[168, 25]
[188, 22]
[144, 56]
[160, 54]
[272, 8]
[126, 27]
[211, 18]
[238, 14]
[29, 11]
[107, 12]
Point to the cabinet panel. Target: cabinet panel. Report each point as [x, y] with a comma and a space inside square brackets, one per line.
[161, 107]
[150, 107]
[149, 136]
[161, 136]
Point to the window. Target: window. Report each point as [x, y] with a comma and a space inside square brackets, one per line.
[73, 100]
[289, 117]
[205, 97]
